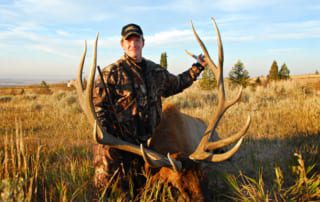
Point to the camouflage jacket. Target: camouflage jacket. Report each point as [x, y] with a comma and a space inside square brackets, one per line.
[129, 103]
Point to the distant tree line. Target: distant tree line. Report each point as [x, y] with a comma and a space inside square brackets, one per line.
[275, 74]
[238, 74]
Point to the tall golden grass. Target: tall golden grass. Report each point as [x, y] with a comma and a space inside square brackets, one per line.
[46, 145]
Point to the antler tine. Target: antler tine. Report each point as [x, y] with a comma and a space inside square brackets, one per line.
[191, 54]
[221, 91]
[220, 48]
[88, 93]
[201, 152]
[229, 140]
[207, 57]
[78, 84]
[215, 158]
[176, 165]
[79, 80]
[101, 135]
[222, 108]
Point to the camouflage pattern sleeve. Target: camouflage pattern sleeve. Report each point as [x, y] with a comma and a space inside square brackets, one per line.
[175, 84]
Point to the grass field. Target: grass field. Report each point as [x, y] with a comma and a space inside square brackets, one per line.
[46, 144]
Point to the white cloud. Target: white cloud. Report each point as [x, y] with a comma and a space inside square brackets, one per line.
[54, 50]
[58, 28]
[169, 37]
[236, 19]
[294, 30]
[63, 33]
[240, 5]
[18, 33]
[60, 11]
[282, 50]
[6, 13]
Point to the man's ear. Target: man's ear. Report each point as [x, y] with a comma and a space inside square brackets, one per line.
[121, 43]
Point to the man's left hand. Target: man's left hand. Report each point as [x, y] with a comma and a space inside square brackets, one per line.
[200, 60]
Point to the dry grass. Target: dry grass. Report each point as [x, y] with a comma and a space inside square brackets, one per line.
[56, 140]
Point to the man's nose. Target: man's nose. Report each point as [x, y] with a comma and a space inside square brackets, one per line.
[133, 42]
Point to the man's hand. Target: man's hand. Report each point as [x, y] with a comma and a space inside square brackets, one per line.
[200, 59]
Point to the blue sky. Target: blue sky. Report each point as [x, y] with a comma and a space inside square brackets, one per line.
[44, 38]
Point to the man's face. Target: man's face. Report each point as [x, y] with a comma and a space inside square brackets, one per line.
[132, 46]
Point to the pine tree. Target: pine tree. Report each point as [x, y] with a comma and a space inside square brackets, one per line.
[273, 72]
[258, 81]
[284, 72]
[44, 88]
[208, 80]
[44, 84]
[239, 75]
[163, 60]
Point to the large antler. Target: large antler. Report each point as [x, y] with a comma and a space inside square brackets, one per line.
[202, 152]
[85, 95]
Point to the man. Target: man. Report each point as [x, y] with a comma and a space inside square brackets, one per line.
[129, 103]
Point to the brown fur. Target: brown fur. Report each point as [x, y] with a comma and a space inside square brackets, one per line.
[177, 132]
[181, 133]
[191, 181]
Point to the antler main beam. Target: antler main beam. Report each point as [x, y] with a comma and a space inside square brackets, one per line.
[85, 96]
[202, 152]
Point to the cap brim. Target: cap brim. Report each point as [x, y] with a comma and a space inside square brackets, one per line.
[130, 34]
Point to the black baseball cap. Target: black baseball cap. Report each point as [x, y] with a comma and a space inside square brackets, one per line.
[131, 29]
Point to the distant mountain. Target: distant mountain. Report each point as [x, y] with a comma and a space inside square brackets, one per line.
[28, 80]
